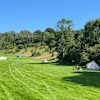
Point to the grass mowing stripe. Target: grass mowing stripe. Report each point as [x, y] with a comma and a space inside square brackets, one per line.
[34, 72]
[2, 95]
[27, 87]
[2, 75]
[40, 75]
[88, 91]
[39, 83]
[36, 82]
[24, 76]
[50, 81]
[25, 72]
[7, 92]
[49, 91]
[18, 81]
[73, 90]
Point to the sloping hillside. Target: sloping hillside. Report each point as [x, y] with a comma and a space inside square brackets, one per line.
[44, 53]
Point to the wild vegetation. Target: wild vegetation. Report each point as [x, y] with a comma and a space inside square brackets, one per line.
[81, 46]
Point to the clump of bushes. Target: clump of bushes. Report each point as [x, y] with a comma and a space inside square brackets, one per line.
[46, 50]
[34, 53]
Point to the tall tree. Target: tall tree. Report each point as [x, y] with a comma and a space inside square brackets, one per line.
[64, 28]
[50, 30]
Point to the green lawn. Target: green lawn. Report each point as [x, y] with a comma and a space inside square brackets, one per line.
[27, 79]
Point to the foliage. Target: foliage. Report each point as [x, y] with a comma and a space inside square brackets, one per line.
[35, 53]
[81, 46]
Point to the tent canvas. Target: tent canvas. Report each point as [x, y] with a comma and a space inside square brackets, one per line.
[92, 66]
[3, 58]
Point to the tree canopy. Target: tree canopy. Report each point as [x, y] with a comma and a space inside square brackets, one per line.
[81, 46]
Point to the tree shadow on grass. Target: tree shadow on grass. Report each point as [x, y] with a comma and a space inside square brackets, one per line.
[85, 78]
[42, 63]
[51, 61]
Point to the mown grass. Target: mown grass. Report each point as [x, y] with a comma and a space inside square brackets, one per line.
[27, 79]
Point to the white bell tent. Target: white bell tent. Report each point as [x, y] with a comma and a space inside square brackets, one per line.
[3, 58]
[92, 66]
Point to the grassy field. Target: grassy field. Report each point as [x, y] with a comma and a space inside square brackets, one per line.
[27, 79]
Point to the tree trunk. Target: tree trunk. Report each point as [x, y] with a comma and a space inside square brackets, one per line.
[63, 51]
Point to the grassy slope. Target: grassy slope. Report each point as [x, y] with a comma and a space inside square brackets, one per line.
[27, 79]
[44, 55]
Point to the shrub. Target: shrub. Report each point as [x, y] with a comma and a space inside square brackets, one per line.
[34, 53]
[52, 54]
[20, 47]
[46, 50]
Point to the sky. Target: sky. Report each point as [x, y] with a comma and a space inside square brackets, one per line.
[32, 15]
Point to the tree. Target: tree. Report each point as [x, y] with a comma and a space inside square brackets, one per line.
[25, 47]
[32, 52]
[64, 28]
[92, 32]
[64, 25]
[50, 30]
[37, 32]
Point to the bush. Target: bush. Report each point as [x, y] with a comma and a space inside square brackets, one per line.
[17, 50]
[25, 49]
[46, 50]
[43, 44]
[10, 51]
[13, 52]
[20, 47]
[38, 54]
[41, 47]
[34, 53]
[52, 54]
